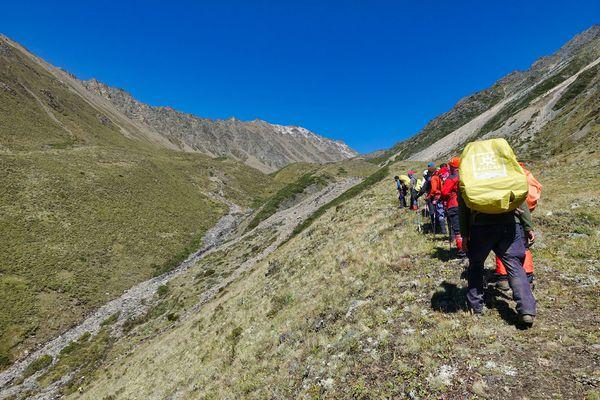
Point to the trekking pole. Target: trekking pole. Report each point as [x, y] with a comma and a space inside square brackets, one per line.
[419, 217]
[433, 219]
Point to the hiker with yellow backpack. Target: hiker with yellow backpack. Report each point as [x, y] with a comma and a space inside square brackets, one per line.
[492, 186]
[533, 195]
[402, 186]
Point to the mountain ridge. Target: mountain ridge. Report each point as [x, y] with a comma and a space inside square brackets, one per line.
[505, 99]
[259, 144]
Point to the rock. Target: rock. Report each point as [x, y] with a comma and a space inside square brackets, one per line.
[103, 119]
[284, 337]
[544, 362]
[411, 395]
[327, 384]
[319, 324]
[354, 304]
[575, 235]
[8, 89]
[479, 388]
[444, 376]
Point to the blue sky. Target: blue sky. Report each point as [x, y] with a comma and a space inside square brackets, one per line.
[368, 72]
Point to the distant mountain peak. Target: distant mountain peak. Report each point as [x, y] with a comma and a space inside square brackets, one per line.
[258, 143]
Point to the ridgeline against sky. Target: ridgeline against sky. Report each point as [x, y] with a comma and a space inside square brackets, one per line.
[367, 73]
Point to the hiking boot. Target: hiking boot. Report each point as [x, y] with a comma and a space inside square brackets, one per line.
[503, 285]
[476, 313]
[527, 319]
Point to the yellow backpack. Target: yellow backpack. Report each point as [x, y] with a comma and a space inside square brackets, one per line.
[405, 180]
[491, 179]
[419, 184]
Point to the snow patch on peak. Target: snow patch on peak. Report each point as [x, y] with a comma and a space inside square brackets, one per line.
[295, 131]
[298, 131]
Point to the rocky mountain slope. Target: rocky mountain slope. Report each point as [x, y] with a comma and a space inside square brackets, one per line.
[557, 98]
[257, 143]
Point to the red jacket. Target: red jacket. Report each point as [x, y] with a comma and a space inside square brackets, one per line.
[435, 187]
[450, 190]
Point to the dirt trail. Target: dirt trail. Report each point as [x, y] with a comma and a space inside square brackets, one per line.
[137, 300]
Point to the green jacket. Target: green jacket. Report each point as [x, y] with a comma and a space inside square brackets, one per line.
[468, 217]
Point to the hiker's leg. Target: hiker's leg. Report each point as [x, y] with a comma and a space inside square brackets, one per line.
[480, 245]
[441, 217]
[431, 215]
[455, 229]
[511, 252]
[453, 223]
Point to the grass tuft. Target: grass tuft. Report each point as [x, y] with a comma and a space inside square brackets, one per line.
[38, 365]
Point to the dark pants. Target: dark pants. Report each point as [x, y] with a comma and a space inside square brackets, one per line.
[453, 223]
[414, 203]
[431, 211]
[506, 241]
[439, 218]
[504, 277]
[402, 199]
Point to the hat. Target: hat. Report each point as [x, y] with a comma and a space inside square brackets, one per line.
[430, 165]
[455, 162]
[410, 172]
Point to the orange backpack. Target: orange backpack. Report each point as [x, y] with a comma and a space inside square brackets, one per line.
[535, 189]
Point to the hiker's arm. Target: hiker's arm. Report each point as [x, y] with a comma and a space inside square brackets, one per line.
[525, 218]
[423, 189]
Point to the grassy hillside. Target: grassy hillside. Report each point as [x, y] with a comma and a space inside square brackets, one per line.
[361, 306]
[299, 179]
[85, 212]
[80, 226]
[346, 168]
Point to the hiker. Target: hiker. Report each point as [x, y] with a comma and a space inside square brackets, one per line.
[414, 204]
[450, 196]
[402, 191]
[424, 189]
[533, 195]
[434, 197]
[495, 219]
[427, 174]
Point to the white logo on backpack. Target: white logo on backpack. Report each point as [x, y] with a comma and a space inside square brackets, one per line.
[488, 166]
